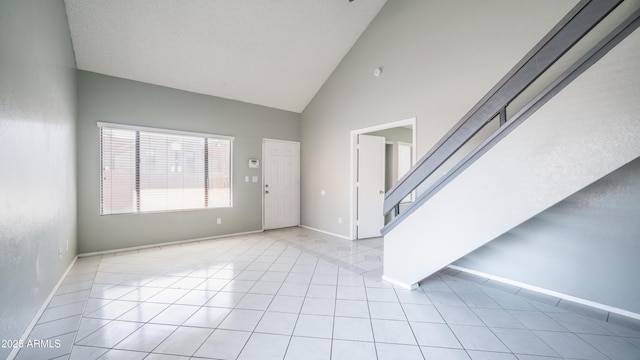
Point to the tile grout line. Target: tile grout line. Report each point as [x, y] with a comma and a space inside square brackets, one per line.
[445, 320]
[261, 317]
[409, 322]
[25, 335]
[527, 328]
[168, 305]
[561, 297]
[253, 257]
[73, 341]
[148, 321]
[487, 325]
[301, 305]
[264, 312]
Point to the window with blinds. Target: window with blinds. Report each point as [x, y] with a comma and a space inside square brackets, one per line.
[151, 170]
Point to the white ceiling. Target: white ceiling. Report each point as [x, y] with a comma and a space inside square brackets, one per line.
[275, 53]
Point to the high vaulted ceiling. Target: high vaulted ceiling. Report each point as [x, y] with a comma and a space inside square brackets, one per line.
[275, 53]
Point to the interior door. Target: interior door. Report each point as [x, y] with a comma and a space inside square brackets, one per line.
[281, 186]
[371, 161]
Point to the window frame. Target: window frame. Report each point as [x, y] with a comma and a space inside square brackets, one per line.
[137, 130]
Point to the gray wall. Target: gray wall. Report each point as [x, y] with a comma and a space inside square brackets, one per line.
[109, 99]
[593, 235]
[439, 57]
[37, 158]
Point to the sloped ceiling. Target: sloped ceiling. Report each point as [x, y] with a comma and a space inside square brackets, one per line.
[275, 53]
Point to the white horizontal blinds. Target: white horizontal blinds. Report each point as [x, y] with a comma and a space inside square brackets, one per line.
[172, 172]
[118, 163]
[219, 177]
[166, 171]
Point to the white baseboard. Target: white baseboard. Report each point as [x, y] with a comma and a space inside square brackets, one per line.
[544, 291]
[35, 319]
[399, 283]
[170, 243]
[325, 232]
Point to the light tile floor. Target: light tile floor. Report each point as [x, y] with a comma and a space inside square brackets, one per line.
[299, 294]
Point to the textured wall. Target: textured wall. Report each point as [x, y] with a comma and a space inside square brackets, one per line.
[439, 57]
[108, 99]
[37, 158]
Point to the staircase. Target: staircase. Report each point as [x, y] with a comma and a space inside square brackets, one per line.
[568, 129]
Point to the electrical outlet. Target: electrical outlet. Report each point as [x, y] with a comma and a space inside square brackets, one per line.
[219, 221]
[339, 220]
[59, 253]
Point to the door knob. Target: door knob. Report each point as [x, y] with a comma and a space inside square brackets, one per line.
[266, 191]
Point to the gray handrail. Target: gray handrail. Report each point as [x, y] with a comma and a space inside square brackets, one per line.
[577, 23]
[580, 66]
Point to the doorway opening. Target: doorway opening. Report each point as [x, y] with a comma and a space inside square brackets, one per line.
[380, 155]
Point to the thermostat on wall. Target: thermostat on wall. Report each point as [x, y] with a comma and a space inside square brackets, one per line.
[254, 163]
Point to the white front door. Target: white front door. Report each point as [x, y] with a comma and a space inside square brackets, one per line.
[281, 186]
[371, 155]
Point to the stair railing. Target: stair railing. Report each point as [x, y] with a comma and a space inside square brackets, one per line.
[569, 31]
